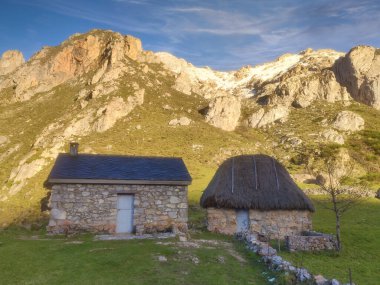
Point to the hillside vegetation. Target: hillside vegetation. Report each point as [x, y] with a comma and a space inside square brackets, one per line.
[103, 90]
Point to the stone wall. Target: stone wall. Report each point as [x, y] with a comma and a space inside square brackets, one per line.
[312, 241]
[273, 224]
[93, 208]
[280, 223]
[221, 221]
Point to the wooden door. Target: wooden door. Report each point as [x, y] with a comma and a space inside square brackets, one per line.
[124, 223]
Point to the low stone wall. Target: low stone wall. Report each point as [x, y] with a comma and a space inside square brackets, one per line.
[93, 207]
[311, 241]
[273, 224]
[362, 193]
[277, 263]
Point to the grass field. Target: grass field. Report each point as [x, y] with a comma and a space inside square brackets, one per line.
[361, 245]
[33, 258]
[27, 260]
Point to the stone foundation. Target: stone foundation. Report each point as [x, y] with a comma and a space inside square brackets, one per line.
[311, 241]
[273, 224]
[93, 208]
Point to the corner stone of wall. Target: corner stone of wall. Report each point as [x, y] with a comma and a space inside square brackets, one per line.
[93, 208]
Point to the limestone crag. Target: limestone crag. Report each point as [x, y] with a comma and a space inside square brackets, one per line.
[95, 82]
[307, 80]
[10, 60]
[359, 71]
[75, 57]
[88, 121]
[224, 112]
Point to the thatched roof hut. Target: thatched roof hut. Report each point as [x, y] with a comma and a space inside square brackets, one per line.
[257, 182]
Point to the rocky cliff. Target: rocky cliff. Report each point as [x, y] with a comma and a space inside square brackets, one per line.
[103, 89]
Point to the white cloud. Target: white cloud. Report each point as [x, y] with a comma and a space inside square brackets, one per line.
[237, 32]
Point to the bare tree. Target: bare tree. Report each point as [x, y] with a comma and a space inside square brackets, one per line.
[341, 197]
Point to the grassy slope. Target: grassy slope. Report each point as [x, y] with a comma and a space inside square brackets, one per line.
[23, 122]
[361, 252]
[57, 261]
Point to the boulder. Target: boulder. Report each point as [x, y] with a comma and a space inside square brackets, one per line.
[3, 140]
[224, 112]
[274, 114]
[320, 280]
[333, 136]
[348, 121]
[303, 275]
[334, 282]
[183, 83]
[58, 214]
[10, 60]
[183, 121]
[266, 250]
[116, 109]
[359, 71]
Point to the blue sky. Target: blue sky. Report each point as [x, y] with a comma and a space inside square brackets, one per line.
[222, 34]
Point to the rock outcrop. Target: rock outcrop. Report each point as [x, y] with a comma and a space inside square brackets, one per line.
[263, 118]
[359, 71]
[80, 54]
[115, 110]
[183, 83]
[348, 121]
[333, 136]
[3, 140]
[307, 80]
[224, 112]
[183, 121]
[10, 60]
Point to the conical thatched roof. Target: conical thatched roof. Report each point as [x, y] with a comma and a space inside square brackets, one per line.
[254, 182]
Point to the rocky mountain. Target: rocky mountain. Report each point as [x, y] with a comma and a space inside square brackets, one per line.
[104, 90]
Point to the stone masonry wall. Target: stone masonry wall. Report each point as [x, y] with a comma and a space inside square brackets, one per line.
[93, 208]
[221, 221]
[273, 224]
[280, 223]
[315, 242]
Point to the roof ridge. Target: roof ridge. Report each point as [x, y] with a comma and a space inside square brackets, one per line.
[121, 155]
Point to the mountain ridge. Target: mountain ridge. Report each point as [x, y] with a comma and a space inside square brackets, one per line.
[102, 89]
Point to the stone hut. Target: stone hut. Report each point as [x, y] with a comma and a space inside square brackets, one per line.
[117, 194]
[255, 193]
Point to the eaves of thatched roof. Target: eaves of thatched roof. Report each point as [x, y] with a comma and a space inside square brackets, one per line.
[254, 182]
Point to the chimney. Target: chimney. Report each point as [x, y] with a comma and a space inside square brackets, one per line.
[74, 148]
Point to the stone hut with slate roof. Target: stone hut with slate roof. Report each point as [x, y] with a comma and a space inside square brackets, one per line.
[255, 193]
[117, 194]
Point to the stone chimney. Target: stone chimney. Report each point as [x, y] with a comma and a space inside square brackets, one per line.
[74, 148]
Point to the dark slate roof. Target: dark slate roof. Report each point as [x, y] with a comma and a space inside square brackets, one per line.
[115, 169]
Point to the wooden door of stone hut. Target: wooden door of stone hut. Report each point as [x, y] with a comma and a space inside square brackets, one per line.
[242, 221]
[124, 222]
